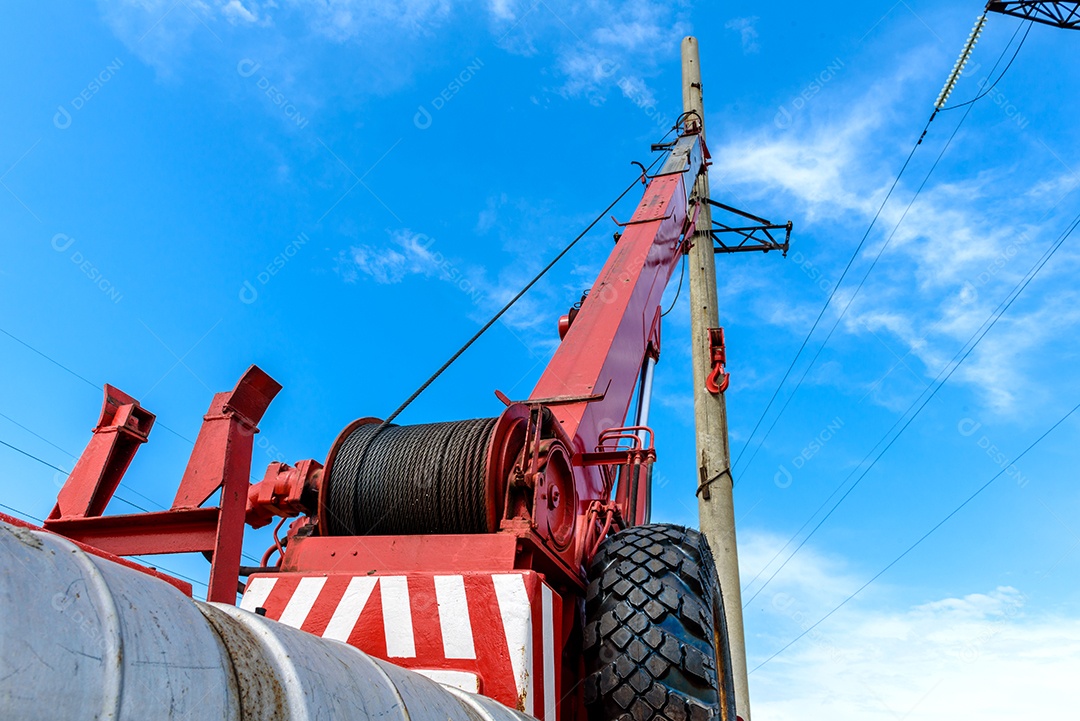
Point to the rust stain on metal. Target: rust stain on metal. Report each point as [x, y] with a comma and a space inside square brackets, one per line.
[525, 690]
[262, 697]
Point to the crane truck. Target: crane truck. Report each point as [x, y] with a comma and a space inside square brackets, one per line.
[495, 568]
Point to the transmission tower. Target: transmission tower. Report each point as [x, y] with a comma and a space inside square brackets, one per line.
[1059, 14]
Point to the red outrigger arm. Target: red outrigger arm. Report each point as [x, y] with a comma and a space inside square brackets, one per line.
[221, 459]
[605, 346]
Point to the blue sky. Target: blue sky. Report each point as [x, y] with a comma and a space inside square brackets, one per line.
[342, 193]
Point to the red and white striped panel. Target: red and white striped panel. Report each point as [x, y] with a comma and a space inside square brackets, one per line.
[495, 634]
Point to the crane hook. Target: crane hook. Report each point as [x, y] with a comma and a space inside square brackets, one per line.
[718, 379]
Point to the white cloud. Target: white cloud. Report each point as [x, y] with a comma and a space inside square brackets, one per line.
[958, 251]
[342, 20]
[383, 265]
[503, 9]
[977, 656]
[748, 34]
[588, 73]
[164, 33]
[616, 47]
[810, 576]
[485, 220]
[408, 253]
[508, 265]
[235, 12]
[597, 48]
[637, 91]
[987, 654]
[1055, 188]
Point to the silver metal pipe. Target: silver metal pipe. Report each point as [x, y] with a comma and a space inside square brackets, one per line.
[82, 638]
[645, 395]
[642, 419]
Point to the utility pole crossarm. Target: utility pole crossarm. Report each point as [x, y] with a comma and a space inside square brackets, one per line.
[747, 238]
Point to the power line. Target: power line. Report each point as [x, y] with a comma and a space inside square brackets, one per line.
[536, 279]
[858, 288]
[117, 496]
[958, 359]
[157, 423]
[922, 538]
[999, 77]
[148, 499]
[61, 470]
[51, 360]
[850, 300]
[36, 435]
[900, 419]
[17, 512]
[148, 563]
[977, 337]
[832, 293]
[156, 566]
[851, 260]
[31, 455]
[84, 379]
[72, 455]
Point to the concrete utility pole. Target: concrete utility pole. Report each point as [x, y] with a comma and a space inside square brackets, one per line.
[715, 505]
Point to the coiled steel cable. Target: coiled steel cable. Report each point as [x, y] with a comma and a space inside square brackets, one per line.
[403, 480]
[348, 495]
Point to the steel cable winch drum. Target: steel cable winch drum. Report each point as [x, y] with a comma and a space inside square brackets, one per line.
[384, 479]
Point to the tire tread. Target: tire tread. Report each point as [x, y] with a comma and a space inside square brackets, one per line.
[648, 636]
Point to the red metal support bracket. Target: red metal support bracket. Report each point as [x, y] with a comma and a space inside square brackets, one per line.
[719, 378]
[221, 459]
[123, 426]
[632, 497]
[223, 449]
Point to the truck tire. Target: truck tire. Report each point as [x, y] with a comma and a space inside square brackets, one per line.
[655, 637]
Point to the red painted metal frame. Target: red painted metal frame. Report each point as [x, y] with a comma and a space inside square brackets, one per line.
[390, 555]
[221, 460]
